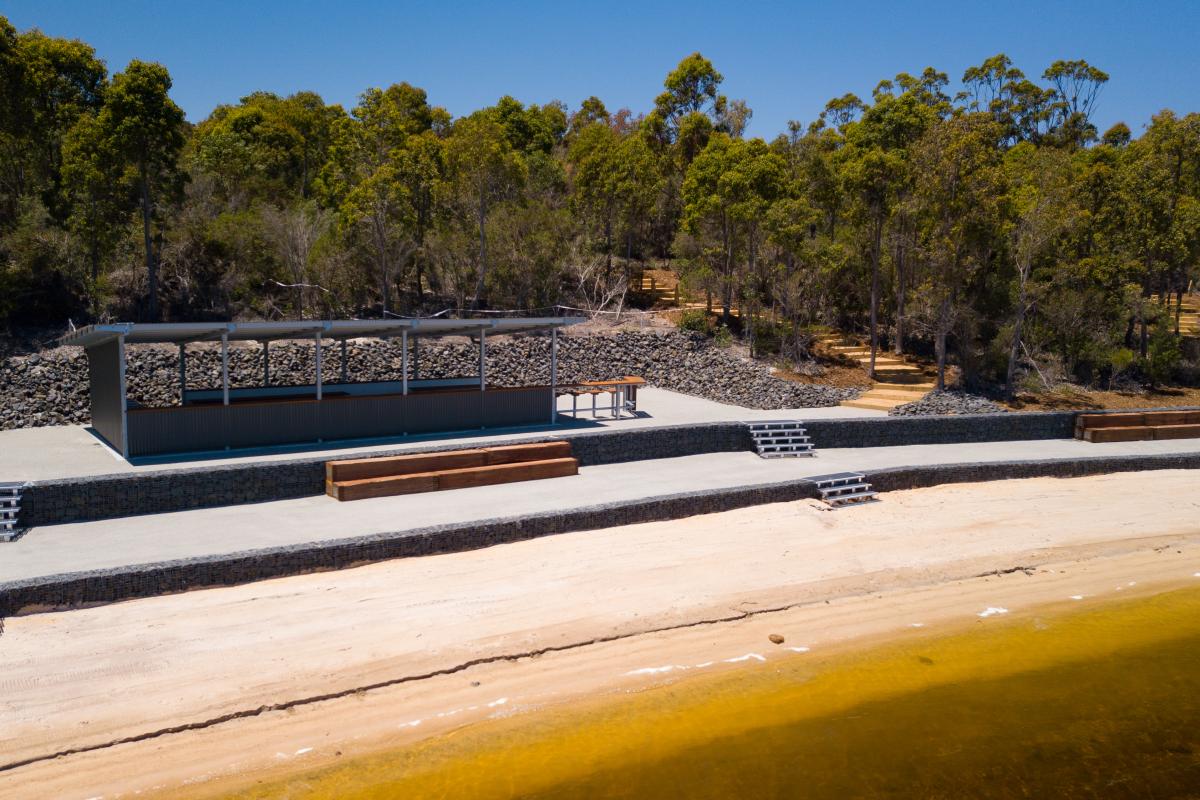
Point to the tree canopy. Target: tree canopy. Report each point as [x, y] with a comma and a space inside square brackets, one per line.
[994, 228]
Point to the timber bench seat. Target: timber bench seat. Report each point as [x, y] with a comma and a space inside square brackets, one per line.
[1138, 426]
[359, 479]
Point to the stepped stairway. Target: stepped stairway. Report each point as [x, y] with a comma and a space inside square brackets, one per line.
[896, 381]
[781, 438]
[363, 478]
[662, 287]
[10, 509]
[844, 488]
[1189, 315]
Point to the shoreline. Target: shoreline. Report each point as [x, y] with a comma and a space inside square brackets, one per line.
[523, 630]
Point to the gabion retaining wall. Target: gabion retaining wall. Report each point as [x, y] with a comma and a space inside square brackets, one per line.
[122, 583]
[127, 494]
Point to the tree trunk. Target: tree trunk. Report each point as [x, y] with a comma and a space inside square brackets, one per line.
[1015, 348]
[876, 243]
[1143, 331]
[901, 292]
[385, 294]
[482, 251]
[727, 272]
[608, 250]
[940, 343]
[151, 260]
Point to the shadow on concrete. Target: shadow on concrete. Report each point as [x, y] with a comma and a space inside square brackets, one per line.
[565, 423]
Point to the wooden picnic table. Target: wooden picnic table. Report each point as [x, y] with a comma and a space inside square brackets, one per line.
[623, 391]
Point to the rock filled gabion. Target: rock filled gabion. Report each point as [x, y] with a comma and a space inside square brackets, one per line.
[51, 387]
[936, 403]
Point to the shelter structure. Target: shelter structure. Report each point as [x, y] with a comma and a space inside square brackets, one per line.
[225, 417]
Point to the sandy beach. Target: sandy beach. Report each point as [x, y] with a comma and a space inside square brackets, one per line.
[199, 692]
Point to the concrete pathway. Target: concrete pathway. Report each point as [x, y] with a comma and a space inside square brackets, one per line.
[136, 540]
[72, 451]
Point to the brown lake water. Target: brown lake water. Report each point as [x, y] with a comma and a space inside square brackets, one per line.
[1098, 703]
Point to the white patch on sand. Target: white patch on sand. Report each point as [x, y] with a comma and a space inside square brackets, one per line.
[1076, 597]
[499, 702]
[303, 750]
[412, 724]
[798, 649]
[746, 657]
[916, 624]
[705, 664]
[992, 610]
[654, 670]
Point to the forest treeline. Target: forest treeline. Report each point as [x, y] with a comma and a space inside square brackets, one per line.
[995, 225]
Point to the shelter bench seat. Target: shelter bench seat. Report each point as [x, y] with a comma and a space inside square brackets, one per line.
[355, 389]
[1138, 426]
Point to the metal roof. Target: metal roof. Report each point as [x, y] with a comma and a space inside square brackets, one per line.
[184, 332]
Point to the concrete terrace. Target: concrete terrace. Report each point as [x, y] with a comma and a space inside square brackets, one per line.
[33, 454]
[127, 541]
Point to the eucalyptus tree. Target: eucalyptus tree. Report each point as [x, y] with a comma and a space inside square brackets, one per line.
[142, 128]
[958, 186]
[874, 167]
[614, 181]
[97, 191]
[685, 115]
[46, 84]
[1077, 86]
[483, 169]
[1161, 196]
[727, 193]
[266, 147]
[1042, 211]
[373, 174]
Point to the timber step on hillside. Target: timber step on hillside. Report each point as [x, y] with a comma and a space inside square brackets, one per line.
[662, 286]
[1138, 427]
[363, 478]
[1189, 314]
[896, 381]
[10, 511]
[782, 438]
[844, 488]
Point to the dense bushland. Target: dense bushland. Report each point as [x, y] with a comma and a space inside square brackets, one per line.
[995, 227]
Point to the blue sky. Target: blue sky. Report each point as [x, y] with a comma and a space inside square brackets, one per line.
[784, 59]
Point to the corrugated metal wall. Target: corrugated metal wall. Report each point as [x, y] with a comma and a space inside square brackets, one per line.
[160, 431]
[107, 391]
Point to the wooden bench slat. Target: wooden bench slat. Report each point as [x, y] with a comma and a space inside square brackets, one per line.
[452, 479]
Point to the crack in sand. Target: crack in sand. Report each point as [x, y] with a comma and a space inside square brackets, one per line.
[286, 705]
[342, 693]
